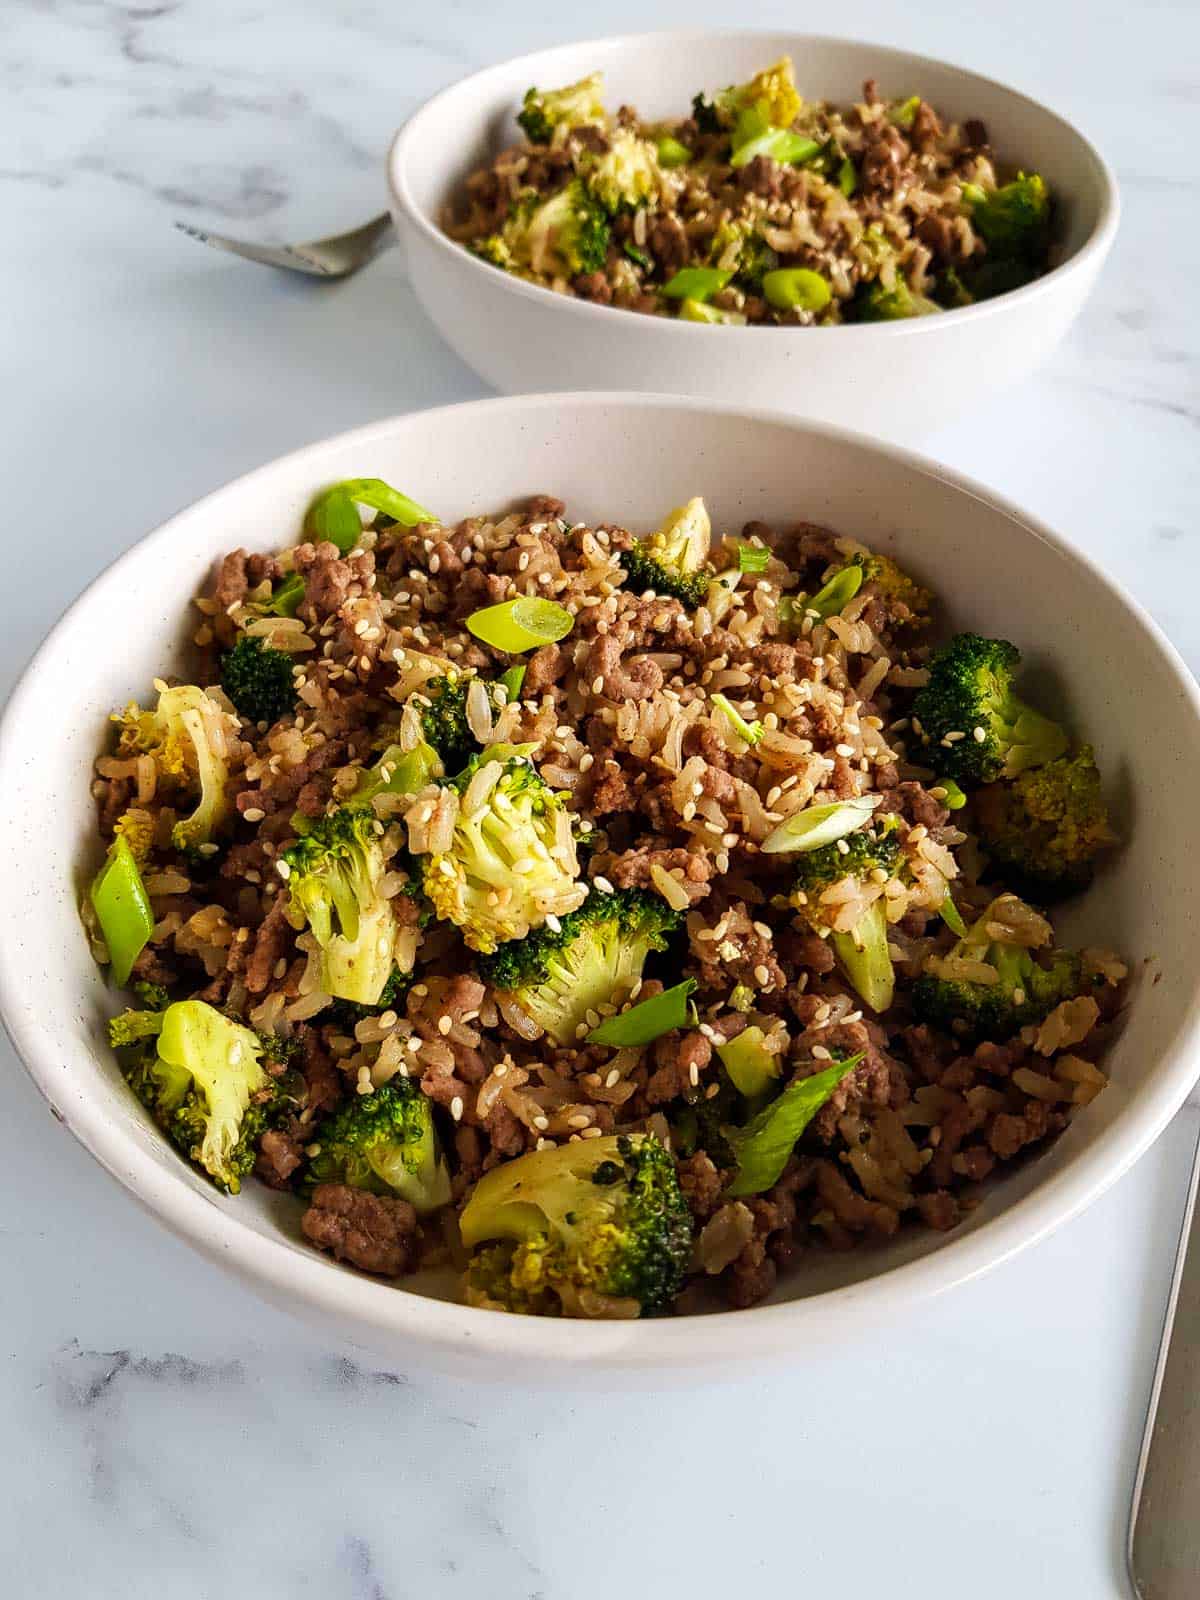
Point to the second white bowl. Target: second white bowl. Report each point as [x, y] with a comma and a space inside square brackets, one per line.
[899, 378]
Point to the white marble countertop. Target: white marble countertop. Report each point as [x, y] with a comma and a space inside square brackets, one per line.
[163, 1431]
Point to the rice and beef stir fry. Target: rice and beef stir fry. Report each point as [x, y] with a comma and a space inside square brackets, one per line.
[758, 208]
[606, 914]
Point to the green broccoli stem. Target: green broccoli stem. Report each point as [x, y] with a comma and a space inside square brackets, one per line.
[865, 959]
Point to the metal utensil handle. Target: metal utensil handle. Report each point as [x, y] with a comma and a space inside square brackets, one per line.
[1164, 1521]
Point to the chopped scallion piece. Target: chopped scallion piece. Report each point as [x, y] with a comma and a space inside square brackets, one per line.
[819, 825]
[796, 288]
[752, 1068]
[329, 516]
[526, 623]
[837, 593]
[751, 732]
[671, 153]
[753, 557]
[286, 598]
[512, 681]
[763, 1146]
[696, 283]
[780, 144]
[644, 1023]
[952, 916]
[902, 115]
[122, 909]
[952, 796]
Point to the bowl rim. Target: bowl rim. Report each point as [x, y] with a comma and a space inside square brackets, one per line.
[448, 1332]
[406, 141]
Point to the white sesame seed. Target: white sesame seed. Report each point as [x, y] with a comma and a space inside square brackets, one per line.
[694, 1075]
[613, 1078]
[820, 1053]
[541, 1123]
[444, 1025]
[456, 1108]
[979, 735]
[762, 974]
[603, 885]
[284, 871]
[579, 1119]
[254, 813]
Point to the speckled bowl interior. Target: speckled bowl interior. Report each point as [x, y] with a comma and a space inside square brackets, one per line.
[620, 458]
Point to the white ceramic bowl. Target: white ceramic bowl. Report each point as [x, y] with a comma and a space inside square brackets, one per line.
[623, 458]
[898, 379]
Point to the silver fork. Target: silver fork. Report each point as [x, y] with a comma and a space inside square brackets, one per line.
[335, 257]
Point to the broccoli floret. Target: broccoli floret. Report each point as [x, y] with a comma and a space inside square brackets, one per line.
[771, 92]
[511, 861]
[201, 1075]
[898, 588]
[154, 996]
[578, 105]
[259, 680]
[444, 721]
[1045, 829]
[598, 1228]
[873, 303]
[1021, 980]
[136, 827]
[188, 736]
[671, 561]
[595, 957]
[346, 1014]
[627, 175]
[559, 237]
[569, 234]
[385, 1142]
[333, 875]
[969, 710]
[1014, 219]
[709, 115]
[736, 247]
[862, 949]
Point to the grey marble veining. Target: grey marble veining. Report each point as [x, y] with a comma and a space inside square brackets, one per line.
[164, 1432]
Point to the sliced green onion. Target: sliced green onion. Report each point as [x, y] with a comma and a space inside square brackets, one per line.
[381, 496]
[763, 1146]
[526, 623]
[751, 732]
[408, 771]
[750, 1065]
[696, 311]
[285, 600]
[950, 794]
[122, 909]
[741, 997]
[643, 1023]
[903, 114]
[330, 513]
[792, 149]
[512, 681]
[333, 519]
[847, 177]
[753, 557]
[638, 256]
[671, 153]
[796, 288]
[696, 283]
[837, 593]
[817, 825]
[952, 916]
